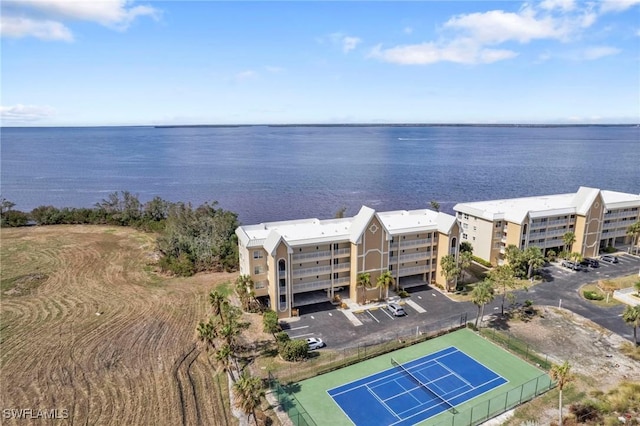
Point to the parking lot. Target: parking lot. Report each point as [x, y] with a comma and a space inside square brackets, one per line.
[427, 306]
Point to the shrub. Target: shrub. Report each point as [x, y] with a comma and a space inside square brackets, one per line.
[592, 295]
[270, 322]
[403, 294]
[472, 326]
[294, 350]
[609, 249]
[282, 338]
[481, 261]
[585, 412]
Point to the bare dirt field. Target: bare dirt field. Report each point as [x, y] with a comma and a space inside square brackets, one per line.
[87, 327]
[593, 352]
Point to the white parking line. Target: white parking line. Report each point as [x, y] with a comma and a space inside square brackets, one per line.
[387, 313]
[415, 306]
[298, 328]
[301, 335]
[370, 314]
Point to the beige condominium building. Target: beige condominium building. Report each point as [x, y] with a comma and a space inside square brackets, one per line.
[598, 218]
[301, 262]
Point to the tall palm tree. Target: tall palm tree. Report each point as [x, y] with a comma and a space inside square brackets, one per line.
[568, 238]
[244, 289]
[364, 282]
[449, 269]
[482, 294]
[535, 259]
[561, 375]
[634, 232]
[384, 281]
[223, 357]
[206, 333]
[464, 261]
[216, 300]
[247, 392]
[631, 316]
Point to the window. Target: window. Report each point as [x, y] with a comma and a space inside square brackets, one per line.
[335, 246]
[465, 225]
[464, 236]
[473, 238]
[391, 267]
[466, 216]
[257, 270]
[257, 254]
[475, 228]
[261, 284]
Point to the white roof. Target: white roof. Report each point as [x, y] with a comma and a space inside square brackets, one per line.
[517, 209]
[313, 231]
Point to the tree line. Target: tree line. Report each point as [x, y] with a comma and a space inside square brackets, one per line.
[190, 239]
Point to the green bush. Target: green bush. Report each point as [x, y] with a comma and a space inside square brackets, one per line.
[609, 249]
[592, 295]
[282, 338]
[482, 261]
[270, 322]
[472, 326]
[294, 350]
[403, 294]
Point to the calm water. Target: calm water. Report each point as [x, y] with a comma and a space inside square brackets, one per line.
[276, 173]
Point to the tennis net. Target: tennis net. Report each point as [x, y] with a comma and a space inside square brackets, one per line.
[422, 384]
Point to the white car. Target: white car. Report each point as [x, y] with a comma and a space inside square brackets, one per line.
[396, 309]
[315, 343]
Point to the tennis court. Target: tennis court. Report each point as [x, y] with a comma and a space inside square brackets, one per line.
[406, 394]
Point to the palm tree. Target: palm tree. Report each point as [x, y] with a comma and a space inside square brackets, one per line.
[631, 316]
[449, 269]
[482, 294]
[568, 238]
[561, 375]
[535, 259]
[244, 289]
[385, 280]
[576, 257]
[247, 392]
[464, 261]
[435, 205]
[206, 333]
[634, 232]
[364, 282]
[217, 299]
[224, 356]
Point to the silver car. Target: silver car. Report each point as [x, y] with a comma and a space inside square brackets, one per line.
[396, 309]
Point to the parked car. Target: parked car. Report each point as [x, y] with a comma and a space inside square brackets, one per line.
[593, 263]
[571, 265]
[315, 343]
[396, 309]
[609, 258]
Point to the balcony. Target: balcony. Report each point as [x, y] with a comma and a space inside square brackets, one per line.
[316, 255]
[321, 270]
[414, 270]
[411, 243]
[423, 255]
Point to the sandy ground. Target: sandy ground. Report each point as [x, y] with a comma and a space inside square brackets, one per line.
[88, 328]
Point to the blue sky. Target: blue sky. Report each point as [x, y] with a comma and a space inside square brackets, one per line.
[120, 62]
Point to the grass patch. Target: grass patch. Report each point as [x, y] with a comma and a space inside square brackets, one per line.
[595, 290]
[22, 285]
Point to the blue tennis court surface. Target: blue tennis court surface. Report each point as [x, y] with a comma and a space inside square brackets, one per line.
[425, 387]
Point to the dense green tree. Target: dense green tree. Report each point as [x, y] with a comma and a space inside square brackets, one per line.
[270, 322]
[482, 294]
[466, 246]
[465, 259]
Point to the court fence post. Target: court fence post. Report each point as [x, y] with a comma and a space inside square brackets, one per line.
[521, 392]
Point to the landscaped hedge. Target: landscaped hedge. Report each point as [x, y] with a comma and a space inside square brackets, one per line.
[592, 295]
[482, 262]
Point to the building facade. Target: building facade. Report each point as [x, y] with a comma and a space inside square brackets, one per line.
[598, 218]
[300, 262]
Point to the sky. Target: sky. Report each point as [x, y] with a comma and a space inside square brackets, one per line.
[119, 62]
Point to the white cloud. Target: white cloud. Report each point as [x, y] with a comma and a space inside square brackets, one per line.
[347, 43]
[19, 113]
[598, 52]
[245, 75]
[273, 69]
[565, 5]
[45, 19]
[408, 30]
[17, 27]
[497, 26]
[462, 51]
[617, 5]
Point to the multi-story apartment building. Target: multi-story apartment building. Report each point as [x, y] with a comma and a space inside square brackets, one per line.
[598, 218]
[299, 262]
